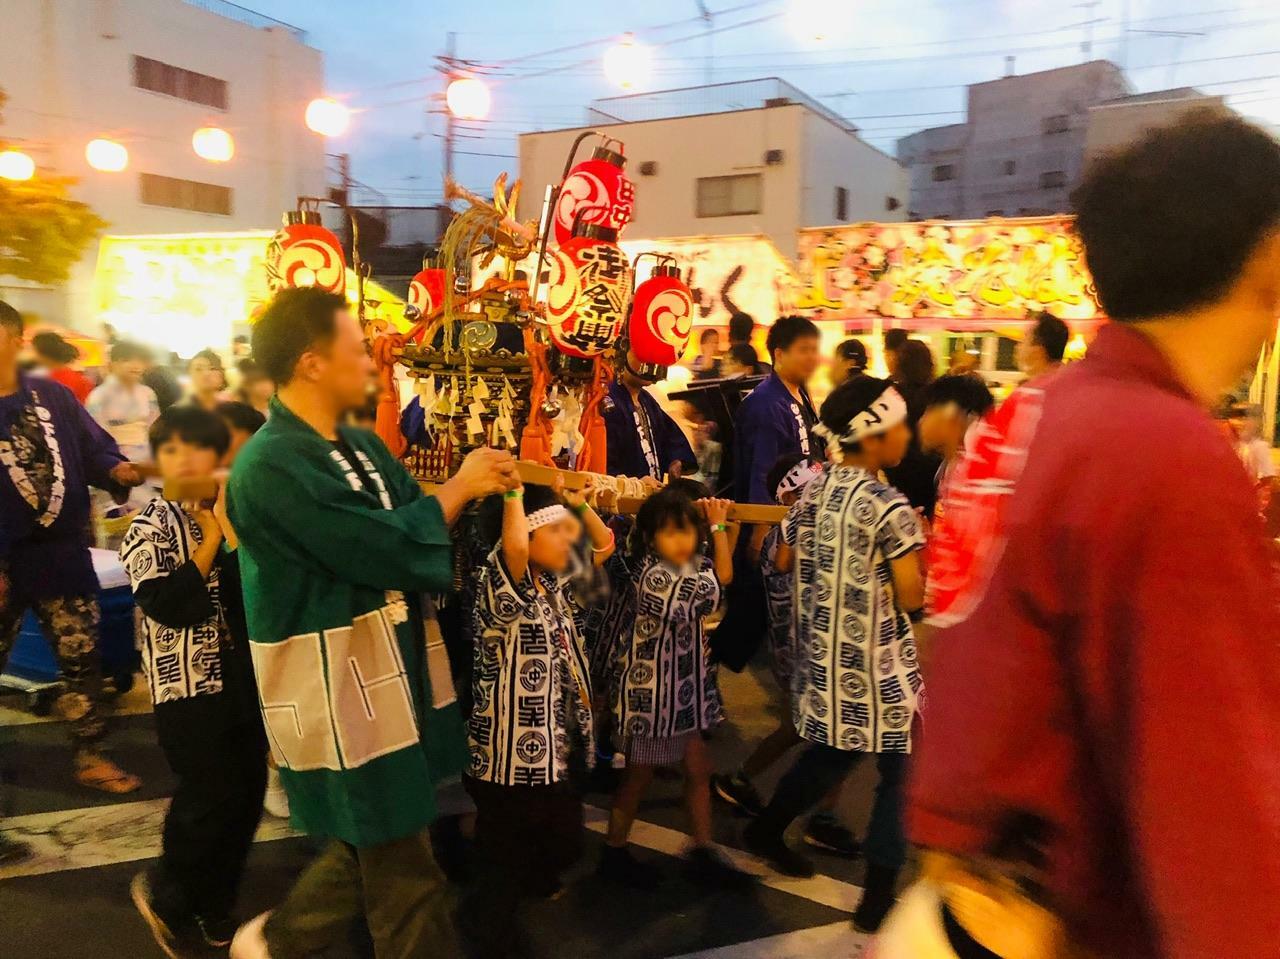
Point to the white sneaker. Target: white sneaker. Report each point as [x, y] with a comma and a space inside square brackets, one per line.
[249, 942]
[276, 800]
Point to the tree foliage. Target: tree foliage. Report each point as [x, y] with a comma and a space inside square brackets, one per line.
[43, 231]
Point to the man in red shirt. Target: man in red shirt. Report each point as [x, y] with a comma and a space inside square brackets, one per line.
[1103, 701]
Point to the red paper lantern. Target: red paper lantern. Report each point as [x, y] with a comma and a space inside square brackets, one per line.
[304, 253]
[426, 293]
[587, 295]
[595, 192]
[661, 317]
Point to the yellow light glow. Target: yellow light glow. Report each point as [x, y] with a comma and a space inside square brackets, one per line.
[628, 64]
[810, 19]
[16, 165]
[468, 98]
[213, 144]
[106, 155]
[305, 277]
[327, 117]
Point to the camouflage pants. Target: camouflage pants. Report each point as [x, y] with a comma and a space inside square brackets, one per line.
[70, 625]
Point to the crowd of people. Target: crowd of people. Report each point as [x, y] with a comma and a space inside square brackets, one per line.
[1078, 575]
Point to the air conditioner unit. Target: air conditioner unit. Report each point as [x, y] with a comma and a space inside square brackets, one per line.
[773, 158]
[648, 168]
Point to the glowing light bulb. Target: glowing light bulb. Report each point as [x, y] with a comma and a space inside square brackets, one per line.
[16, 165]
[213, 144]
[304, 277]
[468, 98]
[106, 155]
[628, 64]
[327, 117]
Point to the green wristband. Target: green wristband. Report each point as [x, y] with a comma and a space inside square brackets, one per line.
[719, 528]
[581, 508]
[513, 494]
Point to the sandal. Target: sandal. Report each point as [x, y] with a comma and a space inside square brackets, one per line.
[101, 773]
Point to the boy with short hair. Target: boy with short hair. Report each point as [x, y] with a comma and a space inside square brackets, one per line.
[195, 654]
[123, 405]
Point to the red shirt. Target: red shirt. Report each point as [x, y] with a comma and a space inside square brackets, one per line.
[75, 381]
[1111, 666]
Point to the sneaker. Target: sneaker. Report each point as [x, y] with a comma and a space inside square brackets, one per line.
[738, 792]
[618, 864]
[217, 933]
[772, 847]
[709, 866]
[249, 941]
[13, 852]
[176, 939]
[276, 800]
[825, 832]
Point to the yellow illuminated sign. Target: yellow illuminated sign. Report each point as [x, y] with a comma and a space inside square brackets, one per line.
[185, 292]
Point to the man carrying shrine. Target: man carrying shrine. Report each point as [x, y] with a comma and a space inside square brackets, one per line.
[338, 544]
[643, 440]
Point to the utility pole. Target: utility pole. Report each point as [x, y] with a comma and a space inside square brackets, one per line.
[709, 69]
[450, 62]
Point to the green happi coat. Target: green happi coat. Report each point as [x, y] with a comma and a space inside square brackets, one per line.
[334, 555]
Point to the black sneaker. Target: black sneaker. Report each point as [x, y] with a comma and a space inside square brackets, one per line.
[13, 852]
[773, 848]
[217, 933]
[738, 792]
[710, 867]
[825, 832]
[177, 939]
[619, 865]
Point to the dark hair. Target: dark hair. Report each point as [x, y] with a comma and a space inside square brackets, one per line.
[491, 510]
[241, 416]
[1051, 334]
[965, 390]
[741, 326]
[894, 340]
[707, 332]
[122, 351]
[852, 349]
[1169, 222]
[49, 344]
[296, 320]
[11, 318]
[847, 400]
[744, 354]
[786, 331]
[669, 506]
[207, 354]
[690, 487]
[783, 465]
[915, 364]
[191, 424]
[247, 366]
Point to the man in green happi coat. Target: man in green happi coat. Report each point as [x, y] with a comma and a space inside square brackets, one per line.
[337, 545]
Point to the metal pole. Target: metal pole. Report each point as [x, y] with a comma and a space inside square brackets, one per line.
[450, 53]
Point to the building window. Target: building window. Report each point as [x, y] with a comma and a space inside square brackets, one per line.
[1052, 180]
[943, 172]
[729, 195]
[1059, 123]
[1010, 167]
[842, 204]
[174, 81]
[184, 194]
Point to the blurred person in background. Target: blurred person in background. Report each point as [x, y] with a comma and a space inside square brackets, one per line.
[242, 421]
[850, 361]
[739, 361]
[1101, 766]
[159, 376]
[206, 380]
[51, 452]
[915, 477]
[56, 356]
[741, 328]
[1255, 452]
[256, 388]
[706, 365]
[1042, 348]
[123, 405]
[893, 341]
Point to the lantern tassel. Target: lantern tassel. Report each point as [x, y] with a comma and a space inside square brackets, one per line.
[594, 455]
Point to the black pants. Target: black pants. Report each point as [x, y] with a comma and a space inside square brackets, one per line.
[817, 772]
[221, 764]
[525, 836]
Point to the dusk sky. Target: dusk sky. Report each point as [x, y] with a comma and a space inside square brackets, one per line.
[890, 66]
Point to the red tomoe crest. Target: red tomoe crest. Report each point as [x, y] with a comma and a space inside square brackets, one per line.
[426, 293]
[305, 254]
[661, 320]
[596, 192]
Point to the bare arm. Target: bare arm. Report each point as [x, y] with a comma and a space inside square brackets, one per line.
[515, 537]
[908, 581]
[484, 472]
[785, 559]
[602, 544]
[717, 512]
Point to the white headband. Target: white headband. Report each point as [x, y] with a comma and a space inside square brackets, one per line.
[888, 410]
[545, 516]
[798, 478]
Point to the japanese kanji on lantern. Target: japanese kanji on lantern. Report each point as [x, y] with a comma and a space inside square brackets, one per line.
[590, 285]
[304, 253]
[596, 192]
[661, 316]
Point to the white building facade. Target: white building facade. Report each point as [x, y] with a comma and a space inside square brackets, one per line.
[148, 74]
[773, 163]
